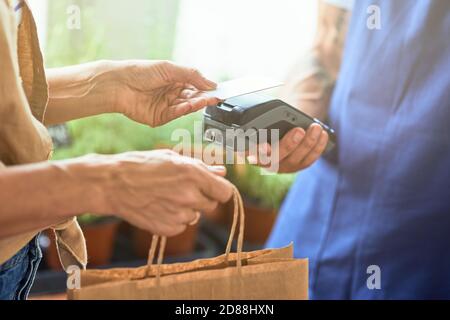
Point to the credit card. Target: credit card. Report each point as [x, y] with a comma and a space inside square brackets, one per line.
[239, 87]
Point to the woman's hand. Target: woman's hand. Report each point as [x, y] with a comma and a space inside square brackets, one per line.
[155, 93]
[149, 92]
[159, 191]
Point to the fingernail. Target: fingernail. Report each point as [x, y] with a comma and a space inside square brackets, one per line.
[316, 132]
[211, 84]
[187, 108]
[298, 137]
[217, 168]
[199, 100]
[252, 160]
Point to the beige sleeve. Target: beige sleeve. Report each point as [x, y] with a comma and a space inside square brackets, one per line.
[21, 135]
[23, 139]
[13, 97]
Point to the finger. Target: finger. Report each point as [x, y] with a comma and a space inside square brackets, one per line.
[176, 111]
[155, 225]
[198, 103]
[204, 203]
[196, 200]
[191, 76]
[140, 222]
[189, 94]
[317, 152]
[159, 224]
[197, 98]
[183, 108]
[262, 151]
[306, 146]
[187, 216]
[201, 102]
[169, 230]
[172, 91]
[213, 186]
[212, 102]
[289, 143]
[220, 171]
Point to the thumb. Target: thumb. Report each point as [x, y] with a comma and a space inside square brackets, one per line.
[190, 76]
[221, 171]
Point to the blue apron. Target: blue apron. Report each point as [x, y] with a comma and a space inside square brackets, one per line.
[383, 197]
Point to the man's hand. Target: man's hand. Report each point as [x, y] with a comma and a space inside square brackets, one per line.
[155, 93]
[309, 87]
[159, 191]
[297, 150]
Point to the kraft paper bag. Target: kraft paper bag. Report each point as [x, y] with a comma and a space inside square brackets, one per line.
[271, 274]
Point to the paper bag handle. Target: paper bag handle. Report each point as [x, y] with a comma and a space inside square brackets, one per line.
[238, 216]
[152, 253]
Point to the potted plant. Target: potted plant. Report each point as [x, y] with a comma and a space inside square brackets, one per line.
[100, 235]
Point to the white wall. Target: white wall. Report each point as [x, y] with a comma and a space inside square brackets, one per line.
[233, 38]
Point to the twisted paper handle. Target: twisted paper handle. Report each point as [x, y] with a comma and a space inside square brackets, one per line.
[151, 256]
[239, 216]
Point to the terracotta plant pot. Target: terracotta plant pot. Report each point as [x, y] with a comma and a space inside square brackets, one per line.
[182, 244]
[258, 222]
[221, 215]
[100, 238]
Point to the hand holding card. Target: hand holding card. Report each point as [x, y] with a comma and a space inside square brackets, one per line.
[242, 86]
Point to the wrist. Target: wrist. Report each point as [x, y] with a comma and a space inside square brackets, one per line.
[81, 91]
[107, 84]
[117, 80]
[86, 177]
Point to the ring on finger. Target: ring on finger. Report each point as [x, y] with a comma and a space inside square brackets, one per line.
[196, 220]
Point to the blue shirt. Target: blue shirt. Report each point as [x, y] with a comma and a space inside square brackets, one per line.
[383, 197]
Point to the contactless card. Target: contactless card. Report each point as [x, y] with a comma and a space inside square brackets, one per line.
[240, 87]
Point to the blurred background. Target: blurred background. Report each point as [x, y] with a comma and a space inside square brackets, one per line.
[225, 40]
